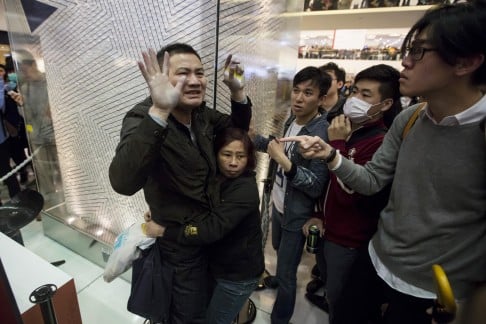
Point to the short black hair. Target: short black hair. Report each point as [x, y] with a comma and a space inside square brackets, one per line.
[176, 48]
[9, 66]
[340, 73]
[388, 77]
[321, 80]
[455, 31]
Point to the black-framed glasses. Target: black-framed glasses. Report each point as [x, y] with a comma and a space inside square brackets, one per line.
[416, 53]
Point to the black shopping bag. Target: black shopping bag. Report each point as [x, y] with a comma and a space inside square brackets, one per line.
[150, 294]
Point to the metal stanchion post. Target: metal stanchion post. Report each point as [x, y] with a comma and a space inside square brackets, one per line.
[43, 297]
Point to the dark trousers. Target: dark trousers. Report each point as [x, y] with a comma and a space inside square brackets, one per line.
[365, 292]
[354, 291]
[321, 261]
[17, 151]
[404, 308]
[340, 261]
[189, 282]
[11, 182]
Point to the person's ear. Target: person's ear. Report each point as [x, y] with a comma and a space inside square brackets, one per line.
[468, 65]
[387, 104]
[322, 100]
[340, 84]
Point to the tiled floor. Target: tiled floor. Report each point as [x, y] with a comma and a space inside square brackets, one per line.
[105, 303]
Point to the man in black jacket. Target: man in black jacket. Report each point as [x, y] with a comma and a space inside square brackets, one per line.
[166, 148]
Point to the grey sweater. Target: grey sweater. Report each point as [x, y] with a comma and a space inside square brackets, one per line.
[437, 207]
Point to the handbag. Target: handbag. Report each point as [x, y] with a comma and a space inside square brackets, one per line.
[150, 294]
[127, 248]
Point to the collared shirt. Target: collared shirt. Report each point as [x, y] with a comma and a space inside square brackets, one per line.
[473, 114]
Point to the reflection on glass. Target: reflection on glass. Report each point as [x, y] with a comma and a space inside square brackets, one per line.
[35, 106]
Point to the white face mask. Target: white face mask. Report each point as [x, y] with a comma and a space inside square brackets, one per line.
[357, 110]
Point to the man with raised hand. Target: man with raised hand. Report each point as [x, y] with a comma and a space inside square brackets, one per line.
[166, 149]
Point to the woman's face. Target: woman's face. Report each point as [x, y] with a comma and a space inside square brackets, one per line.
[232, 159]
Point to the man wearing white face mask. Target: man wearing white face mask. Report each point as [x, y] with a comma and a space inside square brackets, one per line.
[350, 219]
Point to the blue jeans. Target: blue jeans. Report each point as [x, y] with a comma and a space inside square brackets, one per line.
[228, 299]
[288, 258]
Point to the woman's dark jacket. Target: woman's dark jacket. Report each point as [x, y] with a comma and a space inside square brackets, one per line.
[232, 231]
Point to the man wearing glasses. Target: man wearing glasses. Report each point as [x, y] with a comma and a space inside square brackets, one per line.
[437, 208]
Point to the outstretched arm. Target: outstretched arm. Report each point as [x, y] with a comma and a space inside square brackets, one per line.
[376, 173]
[314, 147]
[239, 200]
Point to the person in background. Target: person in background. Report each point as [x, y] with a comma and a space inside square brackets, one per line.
[334, 102]
[34, 99]
[346, 89]
[14, 123]
[11, 182]
[298, 183]
[350, 219]
[231, 231]
[436, 213]
[333, 105]
[166, 149]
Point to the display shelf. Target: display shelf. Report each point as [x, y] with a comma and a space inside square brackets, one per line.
[390, 17]
[352, 67]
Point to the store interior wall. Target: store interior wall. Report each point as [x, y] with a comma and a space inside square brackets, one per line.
[89, 50]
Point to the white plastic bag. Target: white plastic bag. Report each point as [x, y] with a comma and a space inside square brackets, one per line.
[126, 249]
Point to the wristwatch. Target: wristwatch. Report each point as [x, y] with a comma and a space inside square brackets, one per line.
[331, 156]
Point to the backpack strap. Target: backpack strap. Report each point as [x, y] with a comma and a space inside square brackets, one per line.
[412, 119]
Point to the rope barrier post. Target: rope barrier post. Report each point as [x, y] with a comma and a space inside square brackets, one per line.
[20, 166]
[43, 297]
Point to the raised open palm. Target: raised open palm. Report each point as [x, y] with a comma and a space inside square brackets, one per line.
[164, 95]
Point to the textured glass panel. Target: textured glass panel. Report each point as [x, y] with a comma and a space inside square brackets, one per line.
[89, 50]
[36, 109]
